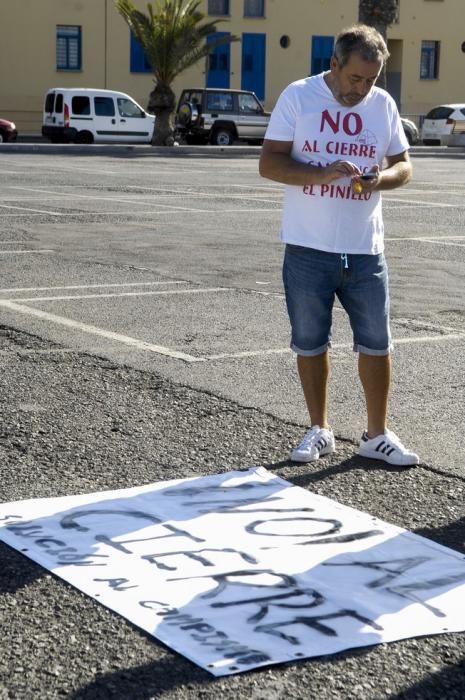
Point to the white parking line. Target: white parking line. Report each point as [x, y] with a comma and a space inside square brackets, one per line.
[29, 215]
[438, 242]
[185, 192]
[425, 238]
[133, 200]
[136, 200]
[25, 252]
[335, 346]
[83, 212]
[37, 211]
[428, 239]
[421, 203]
[161, 350]
[6, 290]
[165, 292]
[56, 168]
[94, 330]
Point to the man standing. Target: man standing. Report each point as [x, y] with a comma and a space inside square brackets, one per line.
[335, 141]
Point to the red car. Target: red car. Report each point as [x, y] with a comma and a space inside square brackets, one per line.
[8, 131]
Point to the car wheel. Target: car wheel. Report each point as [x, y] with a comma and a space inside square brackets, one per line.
[84, 137]
[222, 137]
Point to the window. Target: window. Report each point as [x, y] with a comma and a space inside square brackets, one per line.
[254, 8]
[68, 47]
[429, 63]
[104, 107]
[59, 103]
[80, 105]
[218, 7]
[219, 102]
[128, 108]
[248, 103]
[439, 113]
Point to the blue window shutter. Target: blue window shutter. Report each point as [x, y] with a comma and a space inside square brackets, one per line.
[218, 75]
[138, 61]
[322, 50]
[254, 63]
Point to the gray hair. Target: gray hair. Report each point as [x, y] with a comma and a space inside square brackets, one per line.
[361, 39]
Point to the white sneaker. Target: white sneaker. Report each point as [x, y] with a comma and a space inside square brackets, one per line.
[387, 447]
[316, 443]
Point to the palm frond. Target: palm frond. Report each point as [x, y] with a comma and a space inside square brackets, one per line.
[173, 34]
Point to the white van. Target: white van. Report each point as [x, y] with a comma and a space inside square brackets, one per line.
[87, 115]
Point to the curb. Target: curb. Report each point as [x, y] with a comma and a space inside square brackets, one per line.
[129, 150]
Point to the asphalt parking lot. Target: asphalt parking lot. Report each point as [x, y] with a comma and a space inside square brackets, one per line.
[144, 337]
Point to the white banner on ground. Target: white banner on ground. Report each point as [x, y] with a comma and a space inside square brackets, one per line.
[242, 569]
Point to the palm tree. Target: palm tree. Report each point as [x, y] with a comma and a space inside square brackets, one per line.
[378, 14]
[174, 38]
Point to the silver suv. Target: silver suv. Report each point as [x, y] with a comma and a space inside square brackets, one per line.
[220, 117]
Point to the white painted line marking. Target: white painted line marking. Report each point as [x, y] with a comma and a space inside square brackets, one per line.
[132, 200]
[446, 190]
[25, 252]
[429, 338]
[94, 330]
[127, 214]
[140, 165]
[37, 211]
[126, 294]
[423, 238]
[335, 346]
[88, 286]
[425, 204]
[460, 245]
[186, 193]
[441, 240]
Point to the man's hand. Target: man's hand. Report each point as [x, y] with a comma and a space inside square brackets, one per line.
[338, 169]
[367, 182]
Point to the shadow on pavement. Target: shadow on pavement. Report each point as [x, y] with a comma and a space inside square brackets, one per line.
[150, 680]
[447, 684]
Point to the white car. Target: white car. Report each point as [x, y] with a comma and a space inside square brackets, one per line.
[88, 115]
[441, 123]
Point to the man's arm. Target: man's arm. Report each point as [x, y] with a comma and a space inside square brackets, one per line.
[397, 173]
[276, 163]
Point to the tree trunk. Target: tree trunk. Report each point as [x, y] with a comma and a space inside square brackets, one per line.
[162, 103]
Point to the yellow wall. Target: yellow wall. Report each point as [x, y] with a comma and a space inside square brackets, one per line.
[431, 20]
[28, 37]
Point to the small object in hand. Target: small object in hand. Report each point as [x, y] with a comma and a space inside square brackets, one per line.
[357, 188]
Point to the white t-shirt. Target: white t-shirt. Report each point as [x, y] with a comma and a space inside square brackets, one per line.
[332, 217]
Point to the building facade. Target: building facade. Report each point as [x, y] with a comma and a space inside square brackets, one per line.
[86, 43]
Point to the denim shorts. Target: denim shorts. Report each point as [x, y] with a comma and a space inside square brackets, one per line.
[313, 278]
